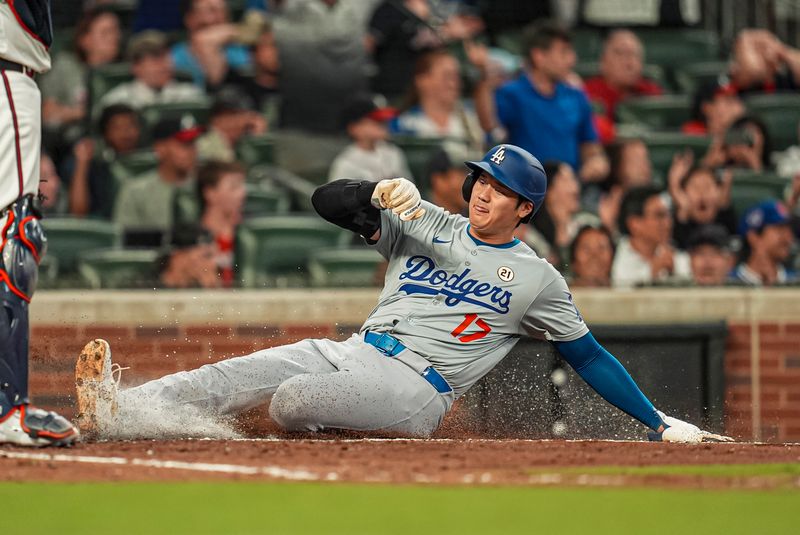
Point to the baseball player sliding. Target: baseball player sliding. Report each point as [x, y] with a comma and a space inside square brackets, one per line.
[458, 294]
[25, 35]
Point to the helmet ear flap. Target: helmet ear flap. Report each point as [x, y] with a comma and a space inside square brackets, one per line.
[469, 183]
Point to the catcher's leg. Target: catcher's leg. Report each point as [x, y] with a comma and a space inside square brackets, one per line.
[22, 244]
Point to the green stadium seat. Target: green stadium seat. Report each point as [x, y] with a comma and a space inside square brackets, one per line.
[419, 152]
[48, 273]
[338, 268]
[662, 146]
[671, 47]
[198, 109]
[133, 164]
[257, 150]
[261, 201]
[663, 112]
[275, 250]
[692, 76]
[750, 188]
[118, 268]
[587, 43]
[67, 238]
[587, 69]
[781, 113]
[105, 78]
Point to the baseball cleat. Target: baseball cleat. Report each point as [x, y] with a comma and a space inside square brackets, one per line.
[96, 383]
[25, 425]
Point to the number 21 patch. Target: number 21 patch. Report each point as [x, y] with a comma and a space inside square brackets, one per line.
[505, 274]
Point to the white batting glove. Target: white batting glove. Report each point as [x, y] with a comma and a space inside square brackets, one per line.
[680, 431]
[400, 196]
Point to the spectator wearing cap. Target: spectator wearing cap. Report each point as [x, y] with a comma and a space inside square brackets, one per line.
[232, 117]
[591, 257]
[434, 108]
[700, 197]
[212, 45]
[645, 254]
[540, 111]
[154, 76]
[221, 190]
[711, 255]
[445, 174]
[370, 156]
[620, 77]
[714, 108]
[767, 239]
[92, 188]
[190, 260]
[146, 202]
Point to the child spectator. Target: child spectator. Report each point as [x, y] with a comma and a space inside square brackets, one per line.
[370, 156]
[767, 239]
[711, 255]
[645, 253]
[221, 188]
[715, 107]
[700, 197]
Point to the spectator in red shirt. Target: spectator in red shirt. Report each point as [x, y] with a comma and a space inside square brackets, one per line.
[620, 72]
[222, 193]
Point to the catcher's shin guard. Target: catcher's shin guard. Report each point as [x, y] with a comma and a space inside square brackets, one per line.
[22, 245]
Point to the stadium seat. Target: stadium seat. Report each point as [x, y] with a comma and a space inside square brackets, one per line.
[133, 164]
[344, 267]
[664, 145]
[750, 188]
[261, 201]
[105, 78]
[419, 152]
[781, 113]
[67, 238]
[199, 109]
[663, 112]
[587, 69]
[671, 47]
[257, 150]
[118, 268]
[692, 76]
[587, 43]
[274, 250]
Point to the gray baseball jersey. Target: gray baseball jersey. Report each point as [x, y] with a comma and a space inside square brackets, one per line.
[461, 303]
[456, 303]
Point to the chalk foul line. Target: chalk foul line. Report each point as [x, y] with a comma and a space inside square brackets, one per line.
[272, 471]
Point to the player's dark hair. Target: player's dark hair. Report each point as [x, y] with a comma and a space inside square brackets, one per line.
[109, 112]
[633, 204]
[541, 35]
[84, 26]
[209, 175]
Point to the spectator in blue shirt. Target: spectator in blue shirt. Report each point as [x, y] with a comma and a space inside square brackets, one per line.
[211, 46]
[540, 111]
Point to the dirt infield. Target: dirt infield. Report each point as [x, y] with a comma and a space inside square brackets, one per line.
[437, 461]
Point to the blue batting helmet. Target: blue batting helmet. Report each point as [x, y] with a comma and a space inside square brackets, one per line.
[516, 169]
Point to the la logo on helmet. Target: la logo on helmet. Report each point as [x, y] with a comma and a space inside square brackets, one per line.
[499, 156]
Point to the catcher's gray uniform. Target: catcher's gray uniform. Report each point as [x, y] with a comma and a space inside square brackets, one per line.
[456, 304]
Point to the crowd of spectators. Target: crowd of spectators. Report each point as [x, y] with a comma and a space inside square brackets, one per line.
[377, 73]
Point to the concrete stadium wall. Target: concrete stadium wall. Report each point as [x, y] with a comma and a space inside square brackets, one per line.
[161, 332]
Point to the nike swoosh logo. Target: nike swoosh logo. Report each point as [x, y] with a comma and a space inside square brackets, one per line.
[437, 240]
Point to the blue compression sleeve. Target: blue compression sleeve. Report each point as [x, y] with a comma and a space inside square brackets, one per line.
[608, 377]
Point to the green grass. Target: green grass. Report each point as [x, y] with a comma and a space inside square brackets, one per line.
[277, 508]
[709, 470]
